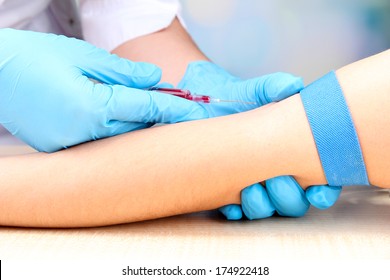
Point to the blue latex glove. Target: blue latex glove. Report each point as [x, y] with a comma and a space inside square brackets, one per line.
[207, 78]
[282, 194]
[48, 100]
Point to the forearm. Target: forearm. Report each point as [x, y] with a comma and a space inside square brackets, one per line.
[172, 49]
[151, 173]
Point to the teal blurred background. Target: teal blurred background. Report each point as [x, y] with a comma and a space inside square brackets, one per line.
[307, 38]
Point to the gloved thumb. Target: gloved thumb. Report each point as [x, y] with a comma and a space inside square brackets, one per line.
[323, 196]
[274, 87]
[133, 105]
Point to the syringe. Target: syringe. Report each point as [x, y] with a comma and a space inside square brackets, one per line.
[185, 93]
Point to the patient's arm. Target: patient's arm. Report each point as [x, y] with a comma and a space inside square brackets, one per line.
[190, 166]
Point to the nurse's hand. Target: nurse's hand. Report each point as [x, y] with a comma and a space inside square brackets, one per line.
[47, 98]
[281, 194]
[203, 77]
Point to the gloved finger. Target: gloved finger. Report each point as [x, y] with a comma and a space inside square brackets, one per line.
[255, 202]
[231, 212]
[323, 196]
[133, 105]
[165, 85]
[271, 88]
[114, 127]
[201, 75]
[110, 69]
[287, 196]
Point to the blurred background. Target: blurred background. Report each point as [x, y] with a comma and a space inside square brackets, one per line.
[307, 38]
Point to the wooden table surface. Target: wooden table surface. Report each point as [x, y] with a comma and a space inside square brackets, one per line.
[357, 227]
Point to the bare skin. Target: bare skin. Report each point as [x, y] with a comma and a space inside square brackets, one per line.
[171, 48]
[162, 171]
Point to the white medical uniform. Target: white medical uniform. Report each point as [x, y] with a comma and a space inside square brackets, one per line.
[104, 23]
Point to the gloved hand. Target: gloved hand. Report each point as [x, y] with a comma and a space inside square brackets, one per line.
[207, 78]
[281, 194]
[48, 100]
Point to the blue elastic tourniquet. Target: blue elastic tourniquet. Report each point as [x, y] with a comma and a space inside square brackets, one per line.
[334, 132]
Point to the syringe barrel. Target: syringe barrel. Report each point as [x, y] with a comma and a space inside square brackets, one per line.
[201, 98]
[183, 93]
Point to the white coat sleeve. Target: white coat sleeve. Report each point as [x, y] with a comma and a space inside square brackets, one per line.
[109, 23]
